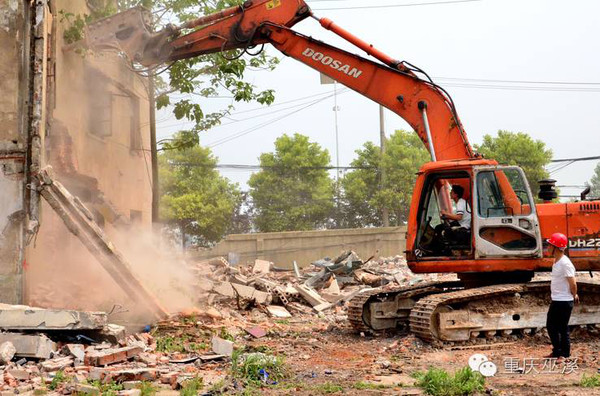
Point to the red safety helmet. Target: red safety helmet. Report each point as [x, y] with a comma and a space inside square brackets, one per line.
[559, 240]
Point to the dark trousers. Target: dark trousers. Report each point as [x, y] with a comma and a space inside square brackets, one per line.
[557, 323]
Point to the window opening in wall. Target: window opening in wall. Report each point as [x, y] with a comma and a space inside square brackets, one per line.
[135, 216]
[114, 110]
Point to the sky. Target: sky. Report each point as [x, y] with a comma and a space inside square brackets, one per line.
[551, 43]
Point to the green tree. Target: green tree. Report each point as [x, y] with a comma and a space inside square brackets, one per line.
[203, 76]
[595, 183]
[365, 196]
[293, 190]
[509, 148]
[194, 196]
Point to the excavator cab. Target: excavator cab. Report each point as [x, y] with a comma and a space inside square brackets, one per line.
[503, 219]
[438, 236]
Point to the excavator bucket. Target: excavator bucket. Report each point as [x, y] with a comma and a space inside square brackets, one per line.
[129, 32]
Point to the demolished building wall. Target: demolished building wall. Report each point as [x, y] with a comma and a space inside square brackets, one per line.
[90, 122]
[13, 143]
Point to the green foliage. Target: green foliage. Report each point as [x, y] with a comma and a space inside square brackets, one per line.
[365, 197]
[73, 31]
[194, 196]
[595, 183]
[361, 385]
[438, 382]
[202, 76]
[592, 381]
[509, 148]
[192, 387]
[217, 388]
[328, 387]
[169, 344]
[147, 388]
[108, 388]
[58, 379]
[224, 334]
[75, 24]
[293, 191]
[249, 367]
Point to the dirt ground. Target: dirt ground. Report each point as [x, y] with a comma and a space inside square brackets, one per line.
[326, 357]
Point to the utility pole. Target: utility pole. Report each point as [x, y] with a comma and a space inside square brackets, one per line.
[337, 143]
[153, 148]
[385, 214]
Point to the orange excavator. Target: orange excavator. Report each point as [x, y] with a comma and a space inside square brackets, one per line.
[504, 243]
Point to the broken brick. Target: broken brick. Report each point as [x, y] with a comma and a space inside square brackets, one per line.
[20, 374]
[86, 389]
[144, 374]
[57, 364]
[110, 356]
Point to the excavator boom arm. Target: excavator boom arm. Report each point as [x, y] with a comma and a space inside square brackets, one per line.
[395, 85]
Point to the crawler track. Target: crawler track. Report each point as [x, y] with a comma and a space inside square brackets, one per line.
[494, 313]
[446, 313]
[359, 306]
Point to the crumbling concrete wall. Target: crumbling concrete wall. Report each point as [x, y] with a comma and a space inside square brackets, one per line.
[97, 142]
[304, 247]
[13, 41]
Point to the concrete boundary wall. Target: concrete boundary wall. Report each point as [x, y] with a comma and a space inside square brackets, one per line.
[282, 248]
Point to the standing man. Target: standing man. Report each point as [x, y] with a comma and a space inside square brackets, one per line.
[563, 290]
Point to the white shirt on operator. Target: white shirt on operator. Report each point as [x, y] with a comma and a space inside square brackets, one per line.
[559, 286]
[463, 209]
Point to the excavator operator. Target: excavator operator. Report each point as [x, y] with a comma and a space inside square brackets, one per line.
[458, 224]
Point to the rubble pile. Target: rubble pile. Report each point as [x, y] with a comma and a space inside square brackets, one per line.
[79, 356]
[322, 288]
[66, 352]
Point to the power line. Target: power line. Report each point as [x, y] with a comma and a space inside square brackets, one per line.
[518, 81]
[396, 5]
[521, 88]
[577, 159]
[258, 167]
[233, 121]
[257, 127]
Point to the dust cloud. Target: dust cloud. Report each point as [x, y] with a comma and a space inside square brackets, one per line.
[63, 274]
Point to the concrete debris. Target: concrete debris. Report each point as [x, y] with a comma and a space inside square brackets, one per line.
[239, 304]
[7, 352]
[278, 312]
[261, 267]
[310, 295]
[114, 333]
[222, 347]
[30, 346]
[76, 350]
[326, 284]
[21, 317]
[250, 293]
